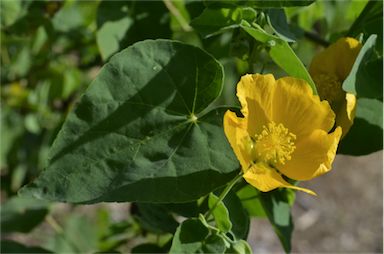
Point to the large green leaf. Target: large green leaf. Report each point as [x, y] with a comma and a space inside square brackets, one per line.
[20, 214]
[190, 209]
[142, 131]
[155, 218]
[281, 53]
[366, 133]
[365, 78]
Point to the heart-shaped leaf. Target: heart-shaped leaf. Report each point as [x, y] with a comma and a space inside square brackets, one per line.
[142, 131]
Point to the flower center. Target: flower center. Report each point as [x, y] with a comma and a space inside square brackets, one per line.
[274, 145]
[329, 87]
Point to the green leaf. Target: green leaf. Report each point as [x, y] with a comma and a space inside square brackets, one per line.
[39, 40]
[74, 15]
[366, 133]
[195, 235]
[11, 130]
[190, 209]
[147, 248]
[20, 214]
[281, 53]
[250, 199]
[276, 206]
[259, 3]
[215, 21]
[113, 23]
[220, 213]
[189, 236]
[237, 215]
[80, 235]
[8, 246]
[156, 218]
[214, 243]
[370, 21]
[142, 131]
[365, 78]
[280, 3]
[151, 21]
[278, 21]
[240, 247]
[11, 11]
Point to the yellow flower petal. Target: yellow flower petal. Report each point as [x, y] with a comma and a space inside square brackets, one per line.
[255, 95]
[236, 132]
[336, 60]
[266, 179]
[329, 69]
[313, 156]
[298, 109]
[346, 113]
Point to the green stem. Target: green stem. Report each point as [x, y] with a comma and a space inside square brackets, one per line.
[316, 38]
[175, 12]
[224, 193]
[53, 223]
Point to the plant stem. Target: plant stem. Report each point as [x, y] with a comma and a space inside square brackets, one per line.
[315, 38]
[224, 193]
[175, 12]
[53, 223]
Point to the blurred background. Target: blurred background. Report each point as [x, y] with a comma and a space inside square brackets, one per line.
[51, 51]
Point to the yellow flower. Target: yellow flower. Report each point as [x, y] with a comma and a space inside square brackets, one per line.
[329, 69]
[284, 132]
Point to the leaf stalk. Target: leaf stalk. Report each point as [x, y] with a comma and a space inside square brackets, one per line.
[224, 193]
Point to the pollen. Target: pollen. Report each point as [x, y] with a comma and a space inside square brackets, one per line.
[274, 145]
[329, 88]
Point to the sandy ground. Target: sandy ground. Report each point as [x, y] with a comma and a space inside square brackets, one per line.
[347, 215]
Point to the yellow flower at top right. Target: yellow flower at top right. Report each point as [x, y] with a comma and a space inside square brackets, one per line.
[329, 69]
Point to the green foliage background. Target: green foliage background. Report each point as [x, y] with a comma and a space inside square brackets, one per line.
[54, 52]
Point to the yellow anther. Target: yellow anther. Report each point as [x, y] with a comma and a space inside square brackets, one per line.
[274, 145]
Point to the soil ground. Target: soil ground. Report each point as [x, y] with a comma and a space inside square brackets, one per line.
[347, 215]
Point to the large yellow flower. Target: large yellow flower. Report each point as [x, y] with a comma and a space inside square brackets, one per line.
[284, 132]
[329, 69]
